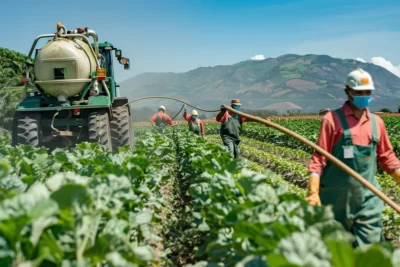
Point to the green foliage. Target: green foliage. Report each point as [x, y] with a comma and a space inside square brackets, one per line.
[90, 207]
[247, 222]
[82, 207]
[11, 70]
[282, 154]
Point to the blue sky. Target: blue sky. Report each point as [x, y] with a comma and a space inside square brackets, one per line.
[179, 35]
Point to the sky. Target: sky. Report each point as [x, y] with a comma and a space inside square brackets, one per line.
[180, 35]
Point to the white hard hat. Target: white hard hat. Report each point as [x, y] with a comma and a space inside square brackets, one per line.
[359, 79]
[162, 107]
[194, 112]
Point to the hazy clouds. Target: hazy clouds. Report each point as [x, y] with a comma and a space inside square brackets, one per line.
[258, 57]
[384, 63]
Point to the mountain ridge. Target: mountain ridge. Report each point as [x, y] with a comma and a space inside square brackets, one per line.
[259, 83]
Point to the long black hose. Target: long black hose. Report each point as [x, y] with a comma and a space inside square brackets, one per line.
[172, 98]
[178, 112]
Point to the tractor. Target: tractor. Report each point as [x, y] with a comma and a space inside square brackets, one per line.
[75, 97]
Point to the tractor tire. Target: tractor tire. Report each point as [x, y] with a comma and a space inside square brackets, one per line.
[99, 128]
[26, 129]
[121, 128]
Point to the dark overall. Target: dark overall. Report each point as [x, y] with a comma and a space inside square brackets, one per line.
[356, 207]
[195, 127]
[230, 134]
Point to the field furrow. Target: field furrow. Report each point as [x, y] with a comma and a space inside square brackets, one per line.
[293, 172]
[296, 174]
[175, 200]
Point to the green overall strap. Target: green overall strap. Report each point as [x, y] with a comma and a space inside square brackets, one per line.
[375, 137]
[348, 139]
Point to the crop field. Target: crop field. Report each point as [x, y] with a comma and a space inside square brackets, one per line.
[179, 200]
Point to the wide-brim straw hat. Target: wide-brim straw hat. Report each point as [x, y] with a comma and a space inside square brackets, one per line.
[236, 102]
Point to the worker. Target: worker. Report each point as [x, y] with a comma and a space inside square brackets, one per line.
[195, 124]
[161, 119]
[231, 127]
[359, 139]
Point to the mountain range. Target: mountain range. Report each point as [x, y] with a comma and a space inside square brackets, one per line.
[309, 82]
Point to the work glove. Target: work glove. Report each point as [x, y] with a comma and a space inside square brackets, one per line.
[396, 175]
[223, 109]
[313, 191]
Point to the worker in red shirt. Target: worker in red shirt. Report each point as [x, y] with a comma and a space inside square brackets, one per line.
[195, 124]
[231, 127]
[161, 119]
[358, 138]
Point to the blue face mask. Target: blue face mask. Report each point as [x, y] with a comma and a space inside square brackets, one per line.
[362, 102]
[236, 107]
[194, 117]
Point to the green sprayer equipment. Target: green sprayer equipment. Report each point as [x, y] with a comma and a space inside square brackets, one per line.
[75, 96]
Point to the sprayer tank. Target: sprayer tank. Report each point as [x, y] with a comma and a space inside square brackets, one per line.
[63, 67]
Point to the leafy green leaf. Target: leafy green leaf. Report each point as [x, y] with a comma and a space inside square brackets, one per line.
[4, 170]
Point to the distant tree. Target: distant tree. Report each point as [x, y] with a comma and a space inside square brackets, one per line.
[386, 110]
[202, 117]
[293, 112]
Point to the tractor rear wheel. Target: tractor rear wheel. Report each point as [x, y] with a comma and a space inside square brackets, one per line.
[121, 128]
[26, 129]
[99, 128]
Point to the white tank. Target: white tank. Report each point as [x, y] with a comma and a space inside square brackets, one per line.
[63, 67]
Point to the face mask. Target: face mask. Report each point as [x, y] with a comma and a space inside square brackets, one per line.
[362, 102]
[194, 117]
[236, 107]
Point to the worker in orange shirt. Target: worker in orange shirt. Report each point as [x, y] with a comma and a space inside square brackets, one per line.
[358, 138]
[195, 124]
[161, 119]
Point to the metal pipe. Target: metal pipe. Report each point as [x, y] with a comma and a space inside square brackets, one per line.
[52, 122]
[103, 83]
[86, 40]
[34, 45]
[95, 41]
[64, 28]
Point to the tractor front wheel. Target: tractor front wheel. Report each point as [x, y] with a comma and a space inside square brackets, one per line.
[99, 128]
[26, 129]
[121, 128]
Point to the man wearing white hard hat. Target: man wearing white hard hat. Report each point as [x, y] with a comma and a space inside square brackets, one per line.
[358, 138]
[195, 124]
[161, 119]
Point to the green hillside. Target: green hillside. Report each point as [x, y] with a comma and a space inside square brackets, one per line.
[11, 70]
[292, 78]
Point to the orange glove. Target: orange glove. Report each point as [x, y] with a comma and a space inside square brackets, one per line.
[313, 191]
[396, 175]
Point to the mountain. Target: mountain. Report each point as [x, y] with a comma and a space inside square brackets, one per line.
[300, 79]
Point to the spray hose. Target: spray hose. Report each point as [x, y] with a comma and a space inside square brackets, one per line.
[302, 139]
[172, 98]
[178, 112]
